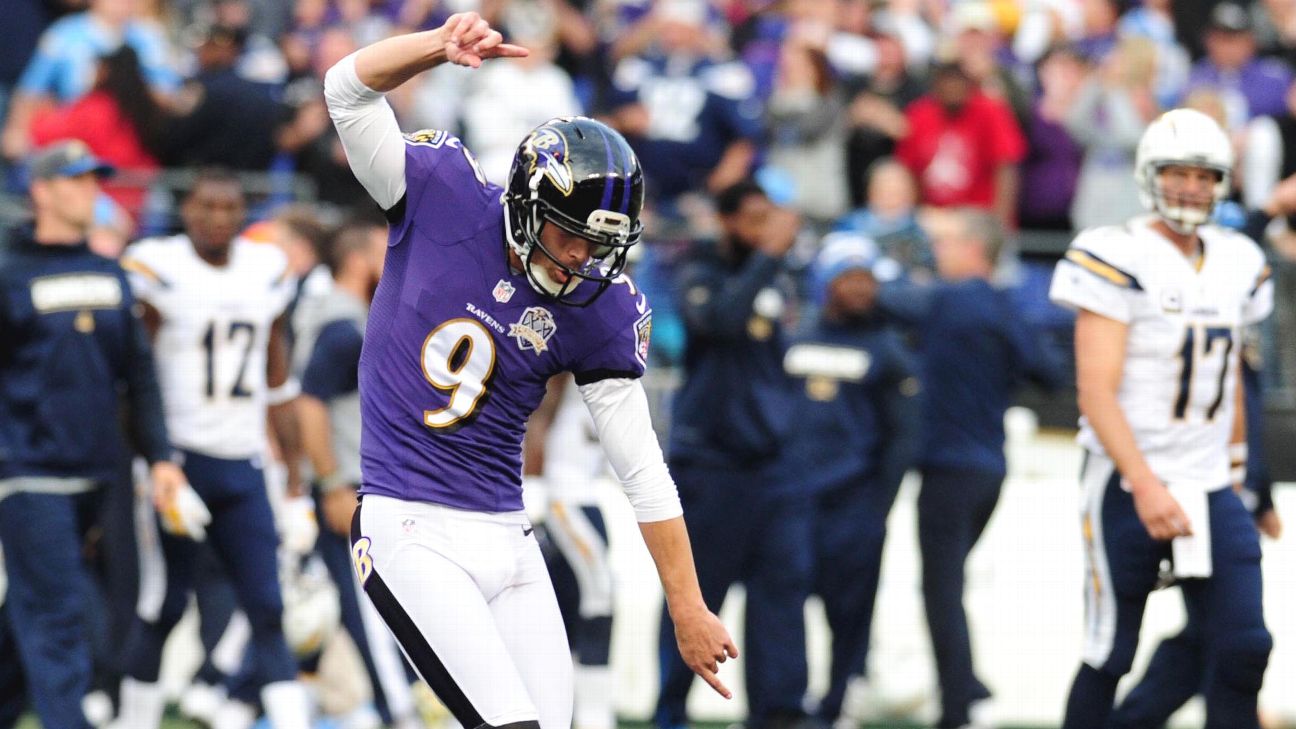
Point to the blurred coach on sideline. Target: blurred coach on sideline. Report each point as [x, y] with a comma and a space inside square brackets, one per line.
[71, 343]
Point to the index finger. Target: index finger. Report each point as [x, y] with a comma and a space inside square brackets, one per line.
[510, 51]
[714, 681]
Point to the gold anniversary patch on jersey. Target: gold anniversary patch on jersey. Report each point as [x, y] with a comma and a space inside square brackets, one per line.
[643, 337]
[534, 329]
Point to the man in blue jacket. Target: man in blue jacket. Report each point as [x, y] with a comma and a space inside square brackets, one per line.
[71, 344]
[858, 427]
[975, 351]
[731, 416]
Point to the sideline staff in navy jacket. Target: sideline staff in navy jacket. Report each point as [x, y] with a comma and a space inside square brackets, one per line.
[71, 344]
[975, 350]
[731, 416]
[858, 427]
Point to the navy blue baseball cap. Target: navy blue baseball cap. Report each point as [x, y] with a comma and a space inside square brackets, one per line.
[67, 159]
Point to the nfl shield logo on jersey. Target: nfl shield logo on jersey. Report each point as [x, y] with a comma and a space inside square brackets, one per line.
[503, 291]
[534, 329]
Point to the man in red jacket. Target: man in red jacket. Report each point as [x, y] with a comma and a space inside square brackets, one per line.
[963, 146]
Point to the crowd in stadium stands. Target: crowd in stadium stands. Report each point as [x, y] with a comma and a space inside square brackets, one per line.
[889, 120]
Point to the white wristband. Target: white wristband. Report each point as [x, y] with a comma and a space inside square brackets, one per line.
[285, 392]
[1238, 454]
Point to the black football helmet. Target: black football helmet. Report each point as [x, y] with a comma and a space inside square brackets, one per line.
[582, 176]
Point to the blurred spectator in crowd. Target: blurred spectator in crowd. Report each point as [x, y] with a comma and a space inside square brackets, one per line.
[1274, 25]
[119, 120]
[979, 47]
[963, 146]
[858, 428]
[1252, 86]
[890, 219]
[311, 138]
[730, 422]
[1153, 20]
[687, 112]
[1098, 28]
[25, 20]
[260, 59]
[877, 110]
[1053, 158]
[807, 131]
[227, 119]
[64, 66]
[1270, 153]
[1108, 118]
[1046, 23]
[514, 95]
[975, 349]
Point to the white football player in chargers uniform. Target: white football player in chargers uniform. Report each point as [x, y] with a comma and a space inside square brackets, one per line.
[1160, 303]
[213, 302]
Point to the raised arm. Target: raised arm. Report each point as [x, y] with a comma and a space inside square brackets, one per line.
[365, 122]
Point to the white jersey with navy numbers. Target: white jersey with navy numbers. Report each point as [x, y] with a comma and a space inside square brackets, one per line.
[211, 347]
[1184, 317]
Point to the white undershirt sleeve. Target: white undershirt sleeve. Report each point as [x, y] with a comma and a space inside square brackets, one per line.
[620, 410]
[369, 132]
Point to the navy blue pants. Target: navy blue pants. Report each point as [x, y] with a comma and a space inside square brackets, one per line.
[954, 507]
[1124, 564]
[849, 534]
[46, 607]
[590, 636]
[242, 534]
[743, 531]
[1176, 673]
[13, 688]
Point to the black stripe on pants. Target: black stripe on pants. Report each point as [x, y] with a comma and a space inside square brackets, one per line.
[416, 647]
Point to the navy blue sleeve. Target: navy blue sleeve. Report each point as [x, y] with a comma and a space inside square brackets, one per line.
[906, 303]
[1035, 360]
[147, 420]
[1258, 479]
[900, 416]
[334, 362]
[717, 306]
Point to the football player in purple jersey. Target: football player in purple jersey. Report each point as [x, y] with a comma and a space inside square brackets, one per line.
[487, 292]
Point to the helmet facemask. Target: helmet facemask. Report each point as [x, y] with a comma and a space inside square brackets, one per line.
[612, 234]
[1189, 139]
[1183, 218]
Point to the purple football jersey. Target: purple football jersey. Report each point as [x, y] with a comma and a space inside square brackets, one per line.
[459, 347]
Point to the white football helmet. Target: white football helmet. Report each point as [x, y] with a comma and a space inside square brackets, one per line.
[312, 607]
[1189, 138]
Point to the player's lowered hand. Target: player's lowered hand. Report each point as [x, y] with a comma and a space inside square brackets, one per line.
[469, 40]
[1161, 515]
[298, 526]
[704, 644]
[1269, 524]
[167, 478]
[186, 515]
